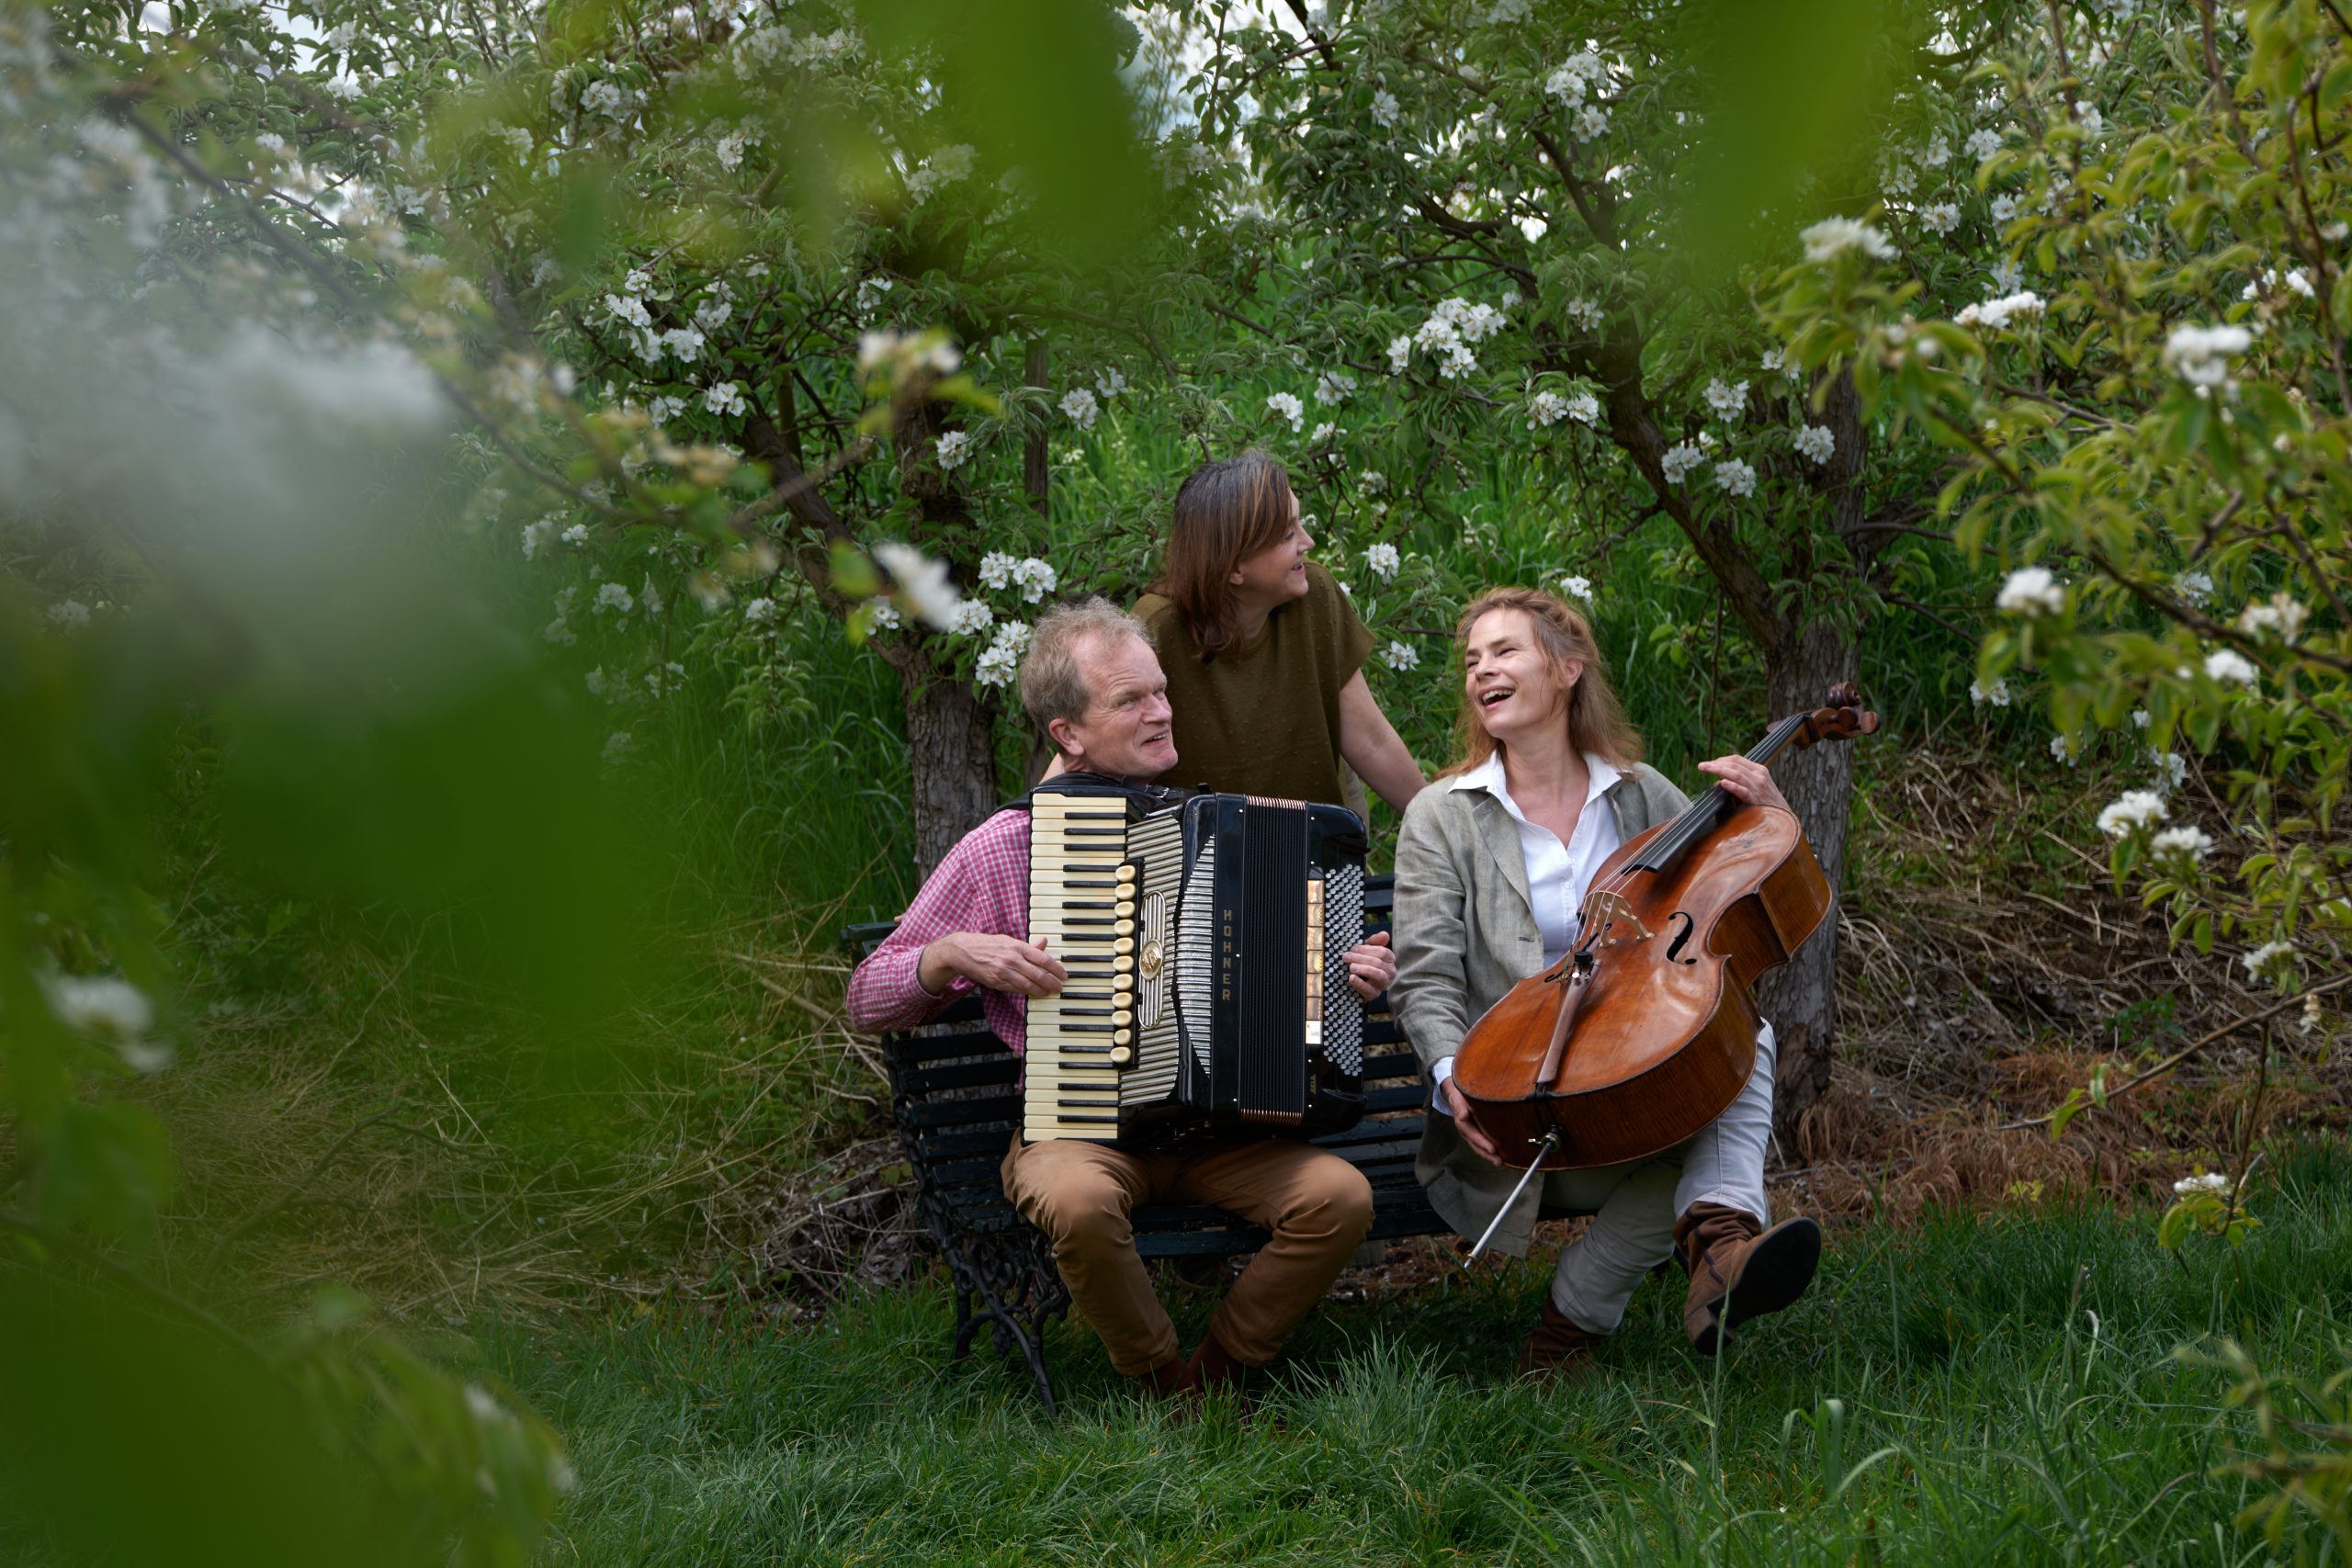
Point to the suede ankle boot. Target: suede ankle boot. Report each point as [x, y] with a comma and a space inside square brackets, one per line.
[1736, 1274]
[1555, 1349]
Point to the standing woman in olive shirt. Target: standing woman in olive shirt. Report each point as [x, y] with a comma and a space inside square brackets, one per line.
[1263, 653]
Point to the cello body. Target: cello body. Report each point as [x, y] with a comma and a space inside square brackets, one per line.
[1662, 1037]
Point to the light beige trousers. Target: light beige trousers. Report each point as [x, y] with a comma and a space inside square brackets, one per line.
[1316, 1205]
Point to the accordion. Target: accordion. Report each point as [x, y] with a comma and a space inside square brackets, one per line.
[1205, 943]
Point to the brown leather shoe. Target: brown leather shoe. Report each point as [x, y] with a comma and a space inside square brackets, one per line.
[1555, 1349]
[1212, 1369]
[1736, 1274]
[1166, 1378]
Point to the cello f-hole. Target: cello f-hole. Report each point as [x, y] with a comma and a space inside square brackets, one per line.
[1681, 939]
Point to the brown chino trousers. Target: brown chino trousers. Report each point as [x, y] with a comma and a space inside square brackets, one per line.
[1316, 1205]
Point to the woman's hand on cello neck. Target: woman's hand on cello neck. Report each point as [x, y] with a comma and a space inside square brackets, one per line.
[1749, 780]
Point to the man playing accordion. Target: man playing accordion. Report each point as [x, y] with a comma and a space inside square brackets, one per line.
[1094, 685]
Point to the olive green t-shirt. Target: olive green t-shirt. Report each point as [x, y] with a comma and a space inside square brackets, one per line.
[1263, 718]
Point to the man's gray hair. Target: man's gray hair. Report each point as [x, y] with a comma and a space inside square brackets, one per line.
[1052, 685]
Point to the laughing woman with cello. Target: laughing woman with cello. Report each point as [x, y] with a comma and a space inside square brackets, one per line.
[1494, 864]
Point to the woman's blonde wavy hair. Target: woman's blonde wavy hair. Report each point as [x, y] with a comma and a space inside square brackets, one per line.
[1595, 718]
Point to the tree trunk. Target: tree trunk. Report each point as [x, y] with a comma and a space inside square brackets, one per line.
[951, 752]
[1801, 997]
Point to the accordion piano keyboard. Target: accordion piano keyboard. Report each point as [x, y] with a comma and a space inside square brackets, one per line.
[1082, 903]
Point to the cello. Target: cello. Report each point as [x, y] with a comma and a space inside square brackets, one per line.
[1645, 1030]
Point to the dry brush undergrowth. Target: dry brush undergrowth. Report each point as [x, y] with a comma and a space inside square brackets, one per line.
[1990, 967]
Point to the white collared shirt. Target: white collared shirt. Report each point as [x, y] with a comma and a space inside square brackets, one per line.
[1557, 874]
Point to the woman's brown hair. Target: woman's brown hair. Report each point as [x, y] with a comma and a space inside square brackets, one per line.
[1595, 718]
[1226, 513]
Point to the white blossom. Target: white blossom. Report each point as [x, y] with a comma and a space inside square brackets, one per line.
[2211, 1182]
[684, 342]
[2269, 954]
[953, 447]
[995, 667]
[2006, 275]
[1383, 106]
[2031, 591]
[2003, 208]
[2141, 719]
[1372, 481]
[2062, 746]
[615, 747]
[576, 535]
[1582, 313]
[2279, 614]
[881, 615]
[1680, 459]
[1997, 693]
[664, 407]
[1079, 404]
[1832, 237]
[629, 309]
[923, 580]
[1725, 399]
[1332, 386]
[1736, 478]
[1400, 656]
[723, 397]
[1817, 443]
[970, 615]
[2186, 842]
[2172, 771]
[1577, 587]
[1937, 153]
[1286, 406]
[1943, 217]
[1036, 578]
[729, 149]
[2201, 356]
[1575, 78]
[1458, 362]
[1593, 122]
[1382, 560]
[2087, 115]
[1546, 408]
[2132, 810]
[760, 612]
[100, 1004]
[996, 570]
[1400, 355]
[1994, 315]
[870, 291]
[713, 311]
[2229, 665]
[69, 614]
[1982, 145]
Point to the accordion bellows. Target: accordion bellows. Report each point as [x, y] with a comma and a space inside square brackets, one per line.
[1206, 945]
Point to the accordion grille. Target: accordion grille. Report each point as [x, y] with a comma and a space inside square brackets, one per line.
[1342, 928]
[1197, 954]
[1157, 844]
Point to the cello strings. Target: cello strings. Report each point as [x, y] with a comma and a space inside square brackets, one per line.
[1697, 819]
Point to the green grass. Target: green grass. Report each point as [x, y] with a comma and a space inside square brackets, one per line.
[2006, 1391]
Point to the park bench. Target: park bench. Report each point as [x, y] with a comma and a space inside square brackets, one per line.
[952, 1098]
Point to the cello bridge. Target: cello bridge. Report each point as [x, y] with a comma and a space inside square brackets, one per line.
[1611, 909]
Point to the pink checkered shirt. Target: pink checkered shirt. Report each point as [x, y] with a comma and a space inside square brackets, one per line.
[982, 885]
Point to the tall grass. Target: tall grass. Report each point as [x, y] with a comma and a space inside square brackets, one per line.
[1985, 1389]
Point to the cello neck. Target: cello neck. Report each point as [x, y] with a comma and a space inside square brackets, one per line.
[1704, 815]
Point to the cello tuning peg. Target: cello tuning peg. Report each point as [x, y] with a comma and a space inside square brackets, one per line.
[1845, 695]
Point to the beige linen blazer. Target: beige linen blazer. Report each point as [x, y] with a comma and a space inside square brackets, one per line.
[1466, 934]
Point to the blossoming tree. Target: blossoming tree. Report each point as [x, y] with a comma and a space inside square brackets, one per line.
[1513, 227]
[2150, 418]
